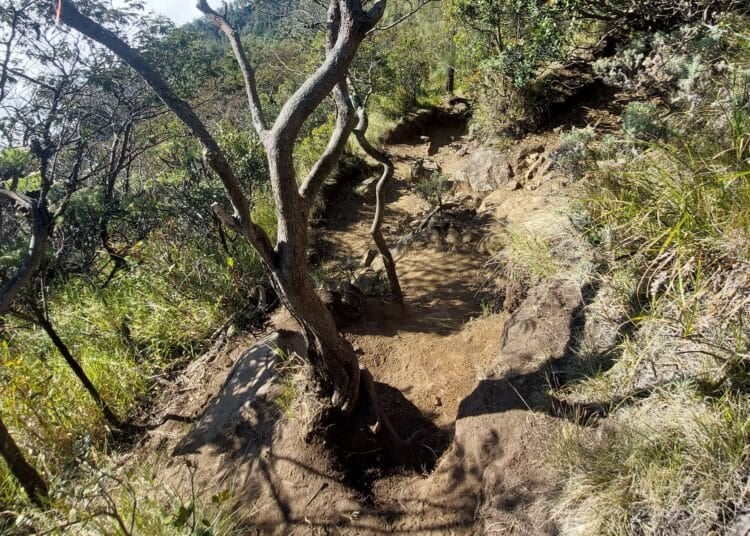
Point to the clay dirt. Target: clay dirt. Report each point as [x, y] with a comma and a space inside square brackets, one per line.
[459, 374]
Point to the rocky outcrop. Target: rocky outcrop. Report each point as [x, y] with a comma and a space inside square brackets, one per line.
[487, 170]
[540, 329]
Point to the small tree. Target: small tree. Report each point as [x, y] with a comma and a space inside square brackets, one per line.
[432, 189]
[348, 22]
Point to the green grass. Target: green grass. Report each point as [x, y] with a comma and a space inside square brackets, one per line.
[671, 217]
[524, 256]
[152, 317]
[663, 466]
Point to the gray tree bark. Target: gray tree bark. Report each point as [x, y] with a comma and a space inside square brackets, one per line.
[334, 361]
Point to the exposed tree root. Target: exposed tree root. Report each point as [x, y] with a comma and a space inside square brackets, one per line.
[368, 434]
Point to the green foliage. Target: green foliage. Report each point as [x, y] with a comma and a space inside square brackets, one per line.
[14, 164]
[244, 152]
[523, 34]
[407, 69]
[310, 147]
[509, 43]
[524, 257]
[640, 121]
[101, 499]
[657, 15]
[433, 189]
[126, 330]
[575, 150]
[670, 203]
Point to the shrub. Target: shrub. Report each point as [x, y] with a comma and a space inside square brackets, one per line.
[575, 150]
[641, 122]
[433, 189]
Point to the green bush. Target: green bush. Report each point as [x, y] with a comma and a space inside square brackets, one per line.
[575, 150]
[641, 121]
[433, 189]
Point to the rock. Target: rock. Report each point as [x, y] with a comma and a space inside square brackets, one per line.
[540, 329]
[419, 238]
[365, 279]
[528, 151]
[533, 168]
[377, 265]
[741, 524]
[452, 237]
[404, 222]
[492, 201]
[486, 170]
[251, 378]
[434, 237]
[367, 188]
[469, 237]
[424, 169]
[461, 108]
[346, 303]
[546, 167]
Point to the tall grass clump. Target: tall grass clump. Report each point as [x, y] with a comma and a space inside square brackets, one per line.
[179, 286]
[672, 197]
[673, 464]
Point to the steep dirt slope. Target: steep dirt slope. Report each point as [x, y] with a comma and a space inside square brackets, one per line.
[466, 383]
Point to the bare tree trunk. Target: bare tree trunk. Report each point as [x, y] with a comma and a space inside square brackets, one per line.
[117, 161]
[334, 361]
[375, 229]
[41, 223]
[46, 325]
[29, 478]
[450, 82]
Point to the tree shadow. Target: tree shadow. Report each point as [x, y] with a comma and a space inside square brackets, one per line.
[251, 377]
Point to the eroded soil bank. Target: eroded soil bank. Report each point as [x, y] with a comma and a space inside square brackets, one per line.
[465, 366]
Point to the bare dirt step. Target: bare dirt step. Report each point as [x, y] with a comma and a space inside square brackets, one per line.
[442, 369]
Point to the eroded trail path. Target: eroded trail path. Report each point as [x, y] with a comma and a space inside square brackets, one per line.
[451, 366]
[435, 348]
[441, 352]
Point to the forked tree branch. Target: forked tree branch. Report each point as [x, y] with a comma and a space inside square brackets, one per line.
[248, 73]
[354, 23]
[345, 121]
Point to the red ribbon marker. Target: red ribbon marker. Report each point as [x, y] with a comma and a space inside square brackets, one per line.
[59, 11]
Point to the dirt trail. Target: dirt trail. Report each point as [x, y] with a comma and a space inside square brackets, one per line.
[442, 367]
[432, 359]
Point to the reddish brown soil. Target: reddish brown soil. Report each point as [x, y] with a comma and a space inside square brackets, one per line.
[481, 441]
